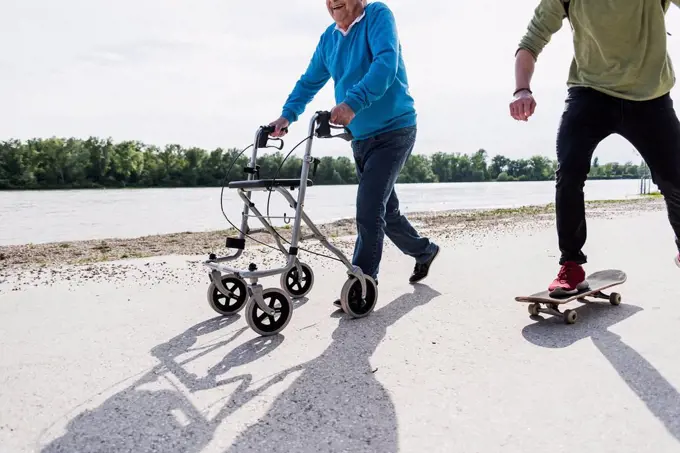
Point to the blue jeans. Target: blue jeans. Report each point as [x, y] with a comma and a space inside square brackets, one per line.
[378, 162]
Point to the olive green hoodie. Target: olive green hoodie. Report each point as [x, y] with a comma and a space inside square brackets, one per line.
[619, 45]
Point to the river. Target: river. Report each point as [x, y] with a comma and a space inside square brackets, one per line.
[52, 216]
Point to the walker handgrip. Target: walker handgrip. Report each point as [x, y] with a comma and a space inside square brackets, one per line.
[323, 130]
[263, 139]
[271, 129]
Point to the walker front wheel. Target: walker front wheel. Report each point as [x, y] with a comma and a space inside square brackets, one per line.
[231, 303]
[351, 300]
[261, 322]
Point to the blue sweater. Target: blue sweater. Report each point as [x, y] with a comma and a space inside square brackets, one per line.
[368, 71]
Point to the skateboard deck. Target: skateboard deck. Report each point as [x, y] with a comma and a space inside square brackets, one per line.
[597, 281]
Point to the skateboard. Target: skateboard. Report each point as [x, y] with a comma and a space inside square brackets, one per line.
[597, 282]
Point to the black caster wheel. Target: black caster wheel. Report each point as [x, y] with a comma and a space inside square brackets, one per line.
[264, 324]
[351, 301]
[533, 309]
[298, 286]
[615, 299]
[570, 316]
[228, 304]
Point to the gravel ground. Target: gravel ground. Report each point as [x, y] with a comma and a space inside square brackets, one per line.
[118, 260]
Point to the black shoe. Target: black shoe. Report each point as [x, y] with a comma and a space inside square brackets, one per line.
[337, 301]
[421, 270]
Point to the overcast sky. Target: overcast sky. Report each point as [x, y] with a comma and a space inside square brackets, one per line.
[208, 72]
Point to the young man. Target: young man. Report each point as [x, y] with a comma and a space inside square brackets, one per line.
[362, 53]
[619, 83]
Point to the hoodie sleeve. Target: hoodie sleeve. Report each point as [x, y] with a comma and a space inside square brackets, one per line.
[547, 20]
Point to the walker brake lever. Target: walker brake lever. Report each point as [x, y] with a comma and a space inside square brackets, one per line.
[347, 135]
[277, 147]
[264, 139]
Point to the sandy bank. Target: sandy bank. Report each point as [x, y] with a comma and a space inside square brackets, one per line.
[203, 243]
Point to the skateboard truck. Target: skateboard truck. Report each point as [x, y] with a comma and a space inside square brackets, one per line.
[613, 298]
[570, 316]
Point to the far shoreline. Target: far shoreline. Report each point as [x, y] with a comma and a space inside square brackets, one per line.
[85, 252]
[128, 187]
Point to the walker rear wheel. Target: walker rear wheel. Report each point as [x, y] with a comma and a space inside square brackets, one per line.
[231, 303]
[351, 301]
[298, 286]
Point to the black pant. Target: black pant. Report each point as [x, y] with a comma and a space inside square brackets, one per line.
[590, 116]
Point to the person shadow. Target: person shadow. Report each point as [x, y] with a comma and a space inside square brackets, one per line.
[660, 396]
[336, 403]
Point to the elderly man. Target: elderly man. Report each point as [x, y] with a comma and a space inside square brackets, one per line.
[619, 83]
[362, 53]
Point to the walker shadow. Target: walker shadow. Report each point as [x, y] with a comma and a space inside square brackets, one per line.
[140, 419]
[659, 395]
[336, 401]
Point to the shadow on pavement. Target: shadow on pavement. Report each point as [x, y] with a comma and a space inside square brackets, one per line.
[142, 418]
[335, 403]
[659, 395]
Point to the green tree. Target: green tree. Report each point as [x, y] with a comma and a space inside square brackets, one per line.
[54, 162]
[417, 170]
[499, 164]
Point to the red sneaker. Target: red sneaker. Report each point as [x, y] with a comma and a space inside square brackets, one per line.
[570, 279]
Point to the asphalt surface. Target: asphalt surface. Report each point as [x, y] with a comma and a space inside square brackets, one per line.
[454, 364]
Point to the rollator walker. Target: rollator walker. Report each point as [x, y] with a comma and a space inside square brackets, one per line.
[268, 311]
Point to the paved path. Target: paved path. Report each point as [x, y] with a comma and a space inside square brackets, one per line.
[452, 366]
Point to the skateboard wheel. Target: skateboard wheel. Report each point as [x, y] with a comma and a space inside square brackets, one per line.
[533, 309]
[615, 298]
[570, 316]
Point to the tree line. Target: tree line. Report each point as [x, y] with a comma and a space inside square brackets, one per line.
[57, 163]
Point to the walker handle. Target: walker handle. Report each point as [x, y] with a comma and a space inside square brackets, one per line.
[264, 138]
[324, 127]
[270, 129]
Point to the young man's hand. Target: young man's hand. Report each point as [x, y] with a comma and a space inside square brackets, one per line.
[342, 114]
[522, 106]
[280, 125]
